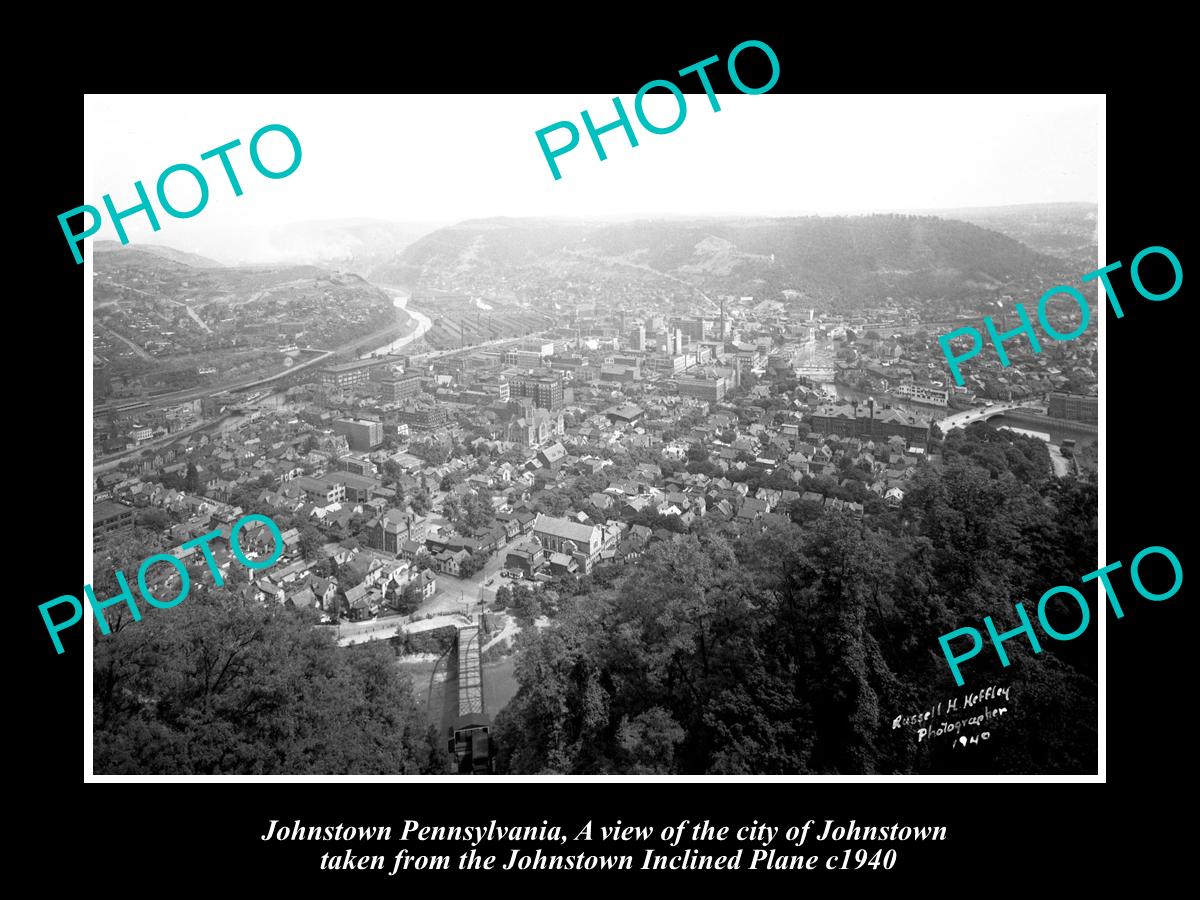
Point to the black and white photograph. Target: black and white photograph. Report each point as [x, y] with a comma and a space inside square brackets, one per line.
[525, 436]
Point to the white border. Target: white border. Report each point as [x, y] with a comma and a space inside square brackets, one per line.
[1101, 604]
[1100, 777]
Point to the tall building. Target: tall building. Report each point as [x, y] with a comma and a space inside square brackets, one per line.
[546, 391]
[326, 489]
[667, 362]
[344, 375]
[637, 338]
[922, 394]
[694, 329]
[357, 464]
[421, 416]
[493, 388]
[389, 531]
[397, 389]
[712, 389]
[1074, 407]
[108, 516]
[866, 421]
[361, 434]
[526, 359]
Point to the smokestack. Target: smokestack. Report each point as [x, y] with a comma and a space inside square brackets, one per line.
[721, 336]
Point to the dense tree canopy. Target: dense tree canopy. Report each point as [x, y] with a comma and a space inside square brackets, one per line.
[220, 686]
[471, 511]
[793, 650]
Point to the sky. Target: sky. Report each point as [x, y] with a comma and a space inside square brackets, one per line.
[445, 158]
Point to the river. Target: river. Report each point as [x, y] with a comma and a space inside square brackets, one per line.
[1059, 430]
[400, 300]
[277, 399]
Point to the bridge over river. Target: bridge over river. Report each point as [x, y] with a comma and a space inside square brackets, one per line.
[982, 414]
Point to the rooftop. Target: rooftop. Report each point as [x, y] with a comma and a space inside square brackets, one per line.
[106, 509]
[565, 529]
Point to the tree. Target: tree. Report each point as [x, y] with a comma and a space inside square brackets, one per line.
[217, 686]
[554, 505]
[347, 577]
[439, 760]
[409, 598]
[804, 512]
[419, 501]
[191, 481]
[524, 604]
[792, 650]
[474, 563]
[704, 467]
[153, 519]
[434, 452]
[470, 511]
[311, 542]
[649, 742]
[391, 472]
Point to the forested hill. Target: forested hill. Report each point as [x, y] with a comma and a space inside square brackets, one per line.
[792, 650]
[864, 257]
[1063, 230]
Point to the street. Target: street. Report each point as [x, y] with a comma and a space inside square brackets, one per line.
[351, 633]
[459, 594]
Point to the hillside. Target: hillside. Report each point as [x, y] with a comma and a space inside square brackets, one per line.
[829, 260]
[480, 246]
[152, 255]
[159, 321]
[1064, 230]
[357, 245]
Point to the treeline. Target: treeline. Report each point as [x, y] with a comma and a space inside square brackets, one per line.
[217, 685]
[793, 650]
